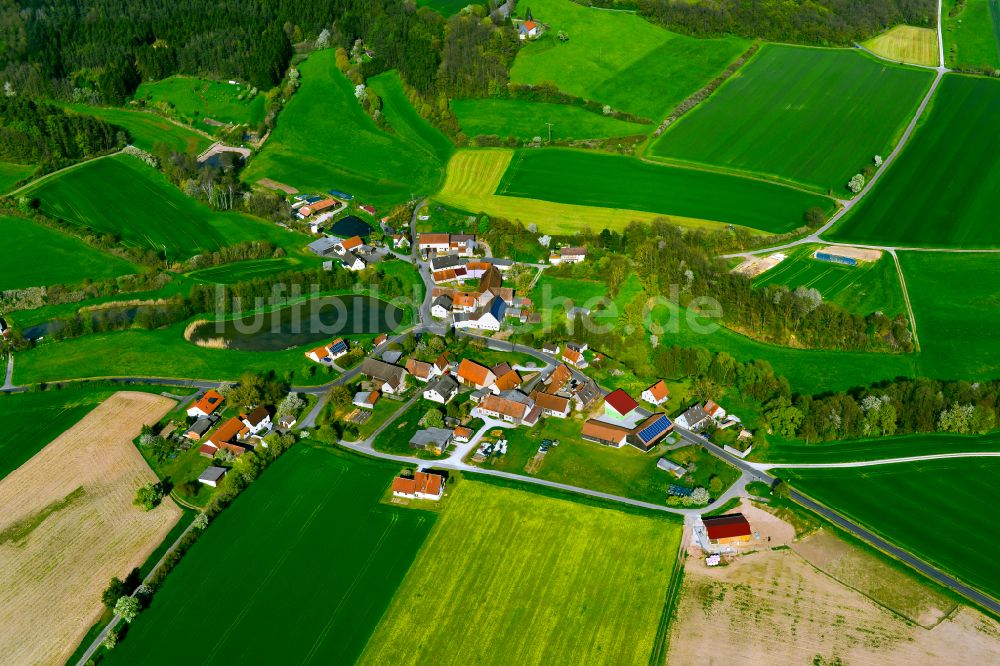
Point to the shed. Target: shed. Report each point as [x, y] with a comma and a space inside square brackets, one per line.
[212, 475]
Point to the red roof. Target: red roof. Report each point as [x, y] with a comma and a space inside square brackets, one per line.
[530, 25]
[429, 484]
[727, 527]
[620, 401]
[209, 402]
[659, 390]
[351, 243]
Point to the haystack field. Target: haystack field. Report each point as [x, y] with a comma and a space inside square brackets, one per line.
[68, 525]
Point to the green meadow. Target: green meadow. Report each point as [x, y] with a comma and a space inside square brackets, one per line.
[792, 113]
[147, 129]
[972, 36]
[11, 173]
[324, 140]
[124, 197]
[944, 190]
[863, 289]
[526, 120]
[320, 558]
[194, 100]
[617, 181]
[619, 58]
[34, 256]
[511, 576]
[244, 270]
[853, 450]
[942, 511]
[405, 120]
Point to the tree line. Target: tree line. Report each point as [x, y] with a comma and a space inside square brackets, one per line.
[33, 132]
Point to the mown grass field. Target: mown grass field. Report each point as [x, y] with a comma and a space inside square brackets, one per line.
[863, 289]
[244, 270]
[619, 58]
[956, 304]
[33, 255]
[944, 190]
[941, 511]
[322, 558]
[905, 43]
[792, 113]
[509, 576]
[325, 140]
[148, 129]
[616, 181]
[192, 100]
[405, 120]
[972, 36]
[11, 173]
[799, 452]
[122, 196]
[525, 120]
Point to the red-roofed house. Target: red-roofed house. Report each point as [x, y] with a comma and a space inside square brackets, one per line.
[472, 374]
[730, 528]
[206, 405]
[618, 404]
[349, 243]
[421, 485]
[657, 394]
[575, 357]
[227, 438]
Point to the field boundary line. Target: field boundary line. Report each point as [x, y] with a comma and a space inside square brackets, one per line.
[671, 163]
[661, 642]
[906, 299]
[45, 177]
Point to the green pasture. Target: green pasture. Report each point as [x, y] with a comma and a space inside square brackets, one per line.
[793, 113]
[126, 198]
[194, 100]
[956, 304]
[33, 255]
[510, 576]
[944, 190]
[942, 511]
[405, 120]
[244, 270]
[863, 289]
[853, 450]
[619, 58]
[972, 36]
[526, 120]
[324, 140]
[11, 173]
[148, 129]
[320, 560]
[617, 181]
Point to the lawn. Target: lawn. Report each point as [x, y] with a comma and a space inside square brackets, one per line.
[396, 437]
[526, 120]
[944, 190]
[33, 255]
[510, 576]
[324, 140]
[620, 58]
[972, 36]
[11, 173]
[798, 451]
[863, 289]
[616, 181]
[122, 196]
[792, 113]
[905, 43]
[148, 129]
[320, 566]
[194, 100]
[956, 304]
[941, 511]
[403, 118]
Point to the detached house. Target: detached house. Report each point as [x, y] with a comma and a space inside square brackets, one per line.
[328, 353]
[389, 378]
[421, 485]
[657, 394]
[475, 375]
[574, 357]
[366, 399]
[552, 405]
[206, 405]
[257, 421]
[441, 390]
[421, 370]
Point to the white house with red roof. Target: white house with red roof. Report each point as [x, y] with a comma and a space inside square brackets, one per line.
[657, 394]
[618, 405]
[206, 405]
[421, 485]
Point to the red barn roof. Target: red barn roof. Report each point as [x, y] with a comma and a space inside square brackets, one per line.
[728, 526]
[621, 401]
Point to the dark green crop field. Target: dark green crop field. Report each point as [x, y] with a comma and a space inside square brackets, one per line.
[796, 114]
[324, 140]
[616, 181]
[33, 255]
[944, 189]
[904, 446]
[298, 570]
[525, 120]
[942, 511]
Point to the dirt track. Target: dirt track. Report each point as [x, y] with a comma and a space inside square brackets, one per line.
[68, 526]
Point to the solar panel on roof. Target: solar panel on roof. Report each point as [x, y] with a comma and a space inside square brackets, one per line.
[654, 429]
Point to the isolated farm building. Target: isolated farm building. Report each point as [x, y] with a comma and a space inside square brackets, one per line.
[212, 475]
[368, 208]
[650, 431]
[257, 420]
[431, 439]
[552, 405]
[529, 28]
[475, 375]
[618, 405]
[568, 255]
[462, 434]
[389, 378]
[324, 247]
[604, 433]
[198, 429]
[353, 262]
[366, 399]
[421, 485]
[657, 394]
[693, 419]
[575, 357]
[205, 405]
[421, 370]
[442, 390]
[670, 466]
[315, 207]
[441, 307]
[730, 528]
